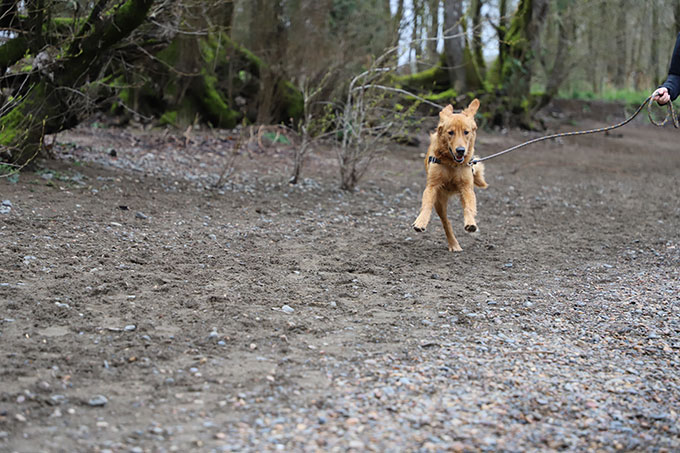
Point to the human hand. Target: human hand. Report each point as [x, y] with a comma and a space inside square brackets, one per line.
[661, 96]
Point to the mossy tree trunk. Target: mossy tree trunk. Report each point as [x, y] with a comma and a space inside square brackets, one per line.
[50, 97]
[454, 44]
[516, 73]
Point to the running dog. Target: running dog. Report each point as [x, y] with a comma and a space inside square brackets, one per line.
[449, 171]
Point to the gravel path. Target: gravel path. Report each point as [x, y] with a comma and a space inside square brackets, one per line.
[141, 311]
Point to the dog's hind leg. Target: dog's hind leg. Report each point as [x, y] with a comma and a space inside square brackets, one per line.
[478, 174]
[440, 207]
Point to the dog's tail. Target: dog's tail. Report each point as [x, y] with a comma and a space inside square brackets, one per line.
[478, 170]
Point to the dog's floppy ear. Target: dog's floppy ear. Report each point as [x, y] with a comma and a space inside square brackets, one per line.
[472, 108]
[446, 112]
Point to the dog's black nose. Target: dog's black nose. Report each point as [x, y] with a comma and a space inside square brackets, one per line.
[460, 150]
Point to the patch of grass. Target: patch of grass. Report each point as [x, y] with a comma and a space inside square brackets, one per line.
[276, 138]
[611, 95]
[9, 172]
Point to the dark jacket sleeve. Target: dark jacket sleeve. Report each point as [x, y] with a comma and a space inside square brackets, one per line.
[673, 80]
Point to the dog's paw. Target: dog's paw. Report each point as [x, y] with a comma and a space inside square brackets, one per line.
[471, 228]
[419, 229]
[455, 248]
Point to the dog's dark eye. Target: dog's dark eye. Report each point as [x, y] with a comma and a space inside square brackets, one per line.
[451, 133]
[467, 132]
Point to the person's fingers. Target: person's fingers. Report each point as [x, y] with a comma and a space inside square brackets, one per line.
[663, 99]
[659, 92]
[661, 96]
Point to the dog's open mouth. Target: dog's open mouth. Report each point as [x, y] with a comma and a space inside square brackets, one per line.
[456, 157]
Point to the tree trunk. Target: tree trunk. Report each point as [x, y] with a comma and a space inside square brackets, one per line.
[654, 63]
[477, 46]
[559, 70]
[432, 54]
[396, 22]
[502, 31]
[52, 101]
[270, 43]
[517, 72]
[454, 43]
[621, 46]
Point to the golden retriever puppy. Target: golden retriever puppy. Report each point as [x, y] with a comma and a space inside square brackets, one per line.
[449, 171]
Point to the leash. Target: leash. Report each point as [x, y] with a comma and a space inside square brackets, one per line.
[670, 115]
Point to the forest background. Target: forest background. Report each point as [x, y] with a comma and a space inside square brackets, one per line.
[355, 73]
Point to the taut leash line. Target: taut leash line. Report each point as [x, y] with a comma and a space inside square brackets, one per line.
[670, 115]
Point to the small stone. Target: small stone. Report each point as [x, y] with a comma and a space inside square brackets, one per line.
[287, 309]
[56, 399]
[130, 328]
[7, 203]
[141, 215]
[20, 418]
[98, 401]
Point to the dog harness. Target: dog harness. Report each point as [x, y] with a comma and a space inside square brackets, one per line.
[434, 160]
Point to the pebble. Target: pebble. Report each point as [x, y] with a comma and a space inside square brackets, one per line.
[141, 215]
[287, 309]
[98, 401]
[130, 328]
[57, 399]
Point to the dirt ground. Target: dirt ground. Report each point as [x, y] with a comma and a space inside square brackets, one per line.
[141, 311]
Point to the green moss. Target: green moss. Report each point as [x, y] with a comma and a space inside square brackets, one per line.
[169, 118]
[12, 51]
[444, 96]
[12, 126]
[293, 102]
[170, 54]
[435, 78]
[214, 105]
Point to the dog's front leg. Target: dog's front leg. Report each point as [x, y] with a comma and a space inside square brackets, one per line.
[469, 202]
[429, 196]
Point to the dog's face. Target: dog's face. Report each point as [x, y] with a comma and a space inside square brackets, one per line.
[456, 133]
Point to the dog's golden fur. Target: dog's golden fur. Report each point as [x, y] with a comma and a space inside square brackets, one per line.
[453, 144]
